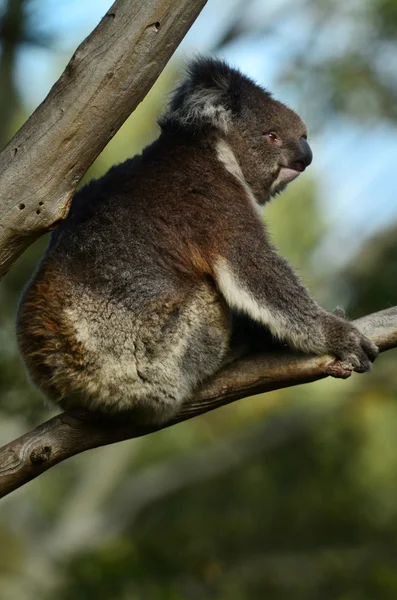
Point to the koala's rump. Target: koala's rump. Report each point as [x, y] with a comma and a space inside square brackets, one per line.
[83, 349]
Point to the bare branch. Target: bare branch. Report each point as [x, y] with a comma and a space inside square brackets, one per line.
[107, 77]
[76, 431]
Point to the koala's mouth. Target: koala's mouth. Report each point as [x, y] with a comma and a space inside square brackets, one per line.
[288, 174]
[285, 176]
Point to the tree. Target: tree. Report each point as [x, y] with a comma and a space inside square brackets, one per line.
[39, 170]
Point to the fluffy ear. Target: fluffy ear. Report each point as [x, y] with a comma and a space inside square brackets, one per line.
[211, 94]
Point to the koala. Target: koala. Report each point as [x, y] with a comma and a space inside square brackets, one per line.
[143, 286]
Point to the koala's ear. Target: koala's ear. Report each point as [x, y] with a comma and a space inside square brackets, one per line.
[210, 94]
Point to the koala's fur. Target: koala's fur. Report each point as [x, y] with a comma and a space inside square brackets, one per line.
[140, 290]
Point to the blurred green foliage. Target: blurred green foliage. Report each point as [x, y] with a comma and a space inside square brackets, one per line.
[312, 516]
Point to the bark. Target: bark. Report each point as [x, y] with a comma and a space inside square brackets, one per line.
[73, 432]
[107, 77]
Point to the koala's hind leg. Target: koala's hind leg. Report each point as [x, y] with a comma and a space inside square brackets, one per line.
[147, 361]
[191, 349]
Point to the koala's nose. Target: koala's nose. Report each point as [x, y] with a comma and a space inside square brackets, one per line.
[307, 154]
[304, 155]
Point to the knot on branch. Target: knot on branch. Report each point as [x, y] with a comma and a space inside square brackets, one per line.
[338, 370]
[40, 455]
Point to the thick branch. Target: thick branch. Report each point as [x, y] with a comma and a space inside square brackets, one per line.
[107, 77]
[76, 431]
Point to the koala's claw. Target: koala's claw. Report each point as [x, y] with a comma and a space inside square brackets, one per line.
[358, 364]
[361, 357]
[353, 351]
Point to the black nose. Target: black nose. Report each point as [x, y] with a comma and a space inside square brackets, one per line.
[305, 152]
[303, 157]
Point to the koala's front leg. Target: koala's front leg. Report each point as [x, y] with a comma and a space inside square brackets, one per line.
[262, 285]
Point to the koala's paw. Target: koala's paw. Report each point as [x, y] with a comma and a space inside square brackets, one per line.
[351, 348]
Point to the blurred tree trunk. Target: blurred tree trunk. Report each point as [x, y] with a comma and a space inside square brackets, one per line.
[12, 26]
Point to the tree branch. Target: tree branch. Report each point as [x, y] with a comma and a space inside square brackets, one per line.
[73, 432]
[107, 77]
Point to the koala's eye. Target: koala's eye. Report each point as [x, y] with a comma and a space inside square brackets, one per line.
[274, 137]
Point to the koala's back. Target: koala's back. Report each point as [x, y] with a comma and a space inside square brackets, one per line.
[118, 313]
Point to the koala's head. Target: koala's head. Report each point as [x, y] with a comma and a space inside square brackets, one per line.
[268, 139]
